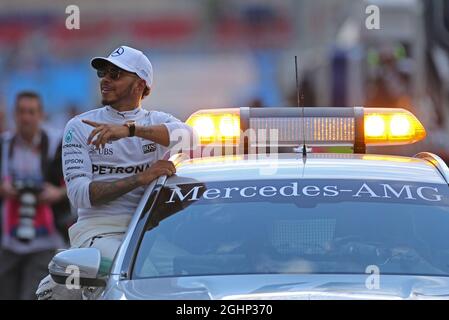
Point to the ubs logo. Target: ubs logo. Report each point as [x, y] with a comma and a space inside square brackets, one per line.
[103, 152]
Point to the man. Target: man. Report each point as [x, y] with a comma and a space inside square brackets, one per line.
[29, 236]
[110, 154]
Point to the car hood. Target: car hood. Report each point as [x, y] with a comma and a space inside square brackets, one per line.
[284, 287]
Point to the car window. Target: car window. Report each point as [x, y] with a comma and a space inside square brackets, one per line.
[296, 226]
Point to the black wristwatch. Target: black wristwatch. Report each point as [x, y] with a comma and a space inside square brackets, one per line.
[132, 127]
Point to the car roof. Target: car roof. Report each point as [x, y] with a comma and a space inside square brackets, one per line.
[315, 166]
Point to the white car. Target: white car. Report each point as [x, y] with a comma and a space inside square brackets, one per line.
[293, 224]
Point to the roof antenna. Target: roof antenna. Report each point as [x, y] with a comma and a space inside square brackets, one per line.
[304, 148]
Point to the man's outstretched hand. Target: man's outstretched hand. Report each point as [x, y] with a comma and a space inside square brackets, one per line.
[105, 132]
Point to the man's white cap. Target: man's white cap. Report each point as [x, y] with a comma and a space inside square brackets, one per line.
[129, 59]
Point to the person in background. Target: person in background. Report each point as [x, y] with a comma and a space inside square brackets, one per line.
[30, 186]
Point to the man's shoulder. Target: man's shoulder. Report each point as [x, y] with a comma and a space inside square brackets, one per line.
[157, 117]
[91, 115]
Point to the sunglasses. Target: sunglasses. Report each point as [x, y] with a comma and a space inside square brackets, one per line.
[114, 73]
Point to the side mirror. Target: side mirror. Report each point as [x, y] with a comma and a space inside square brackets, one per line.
[83, 263]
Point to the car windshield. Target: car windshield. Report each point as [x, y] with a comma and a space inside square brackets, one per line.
[296, 226]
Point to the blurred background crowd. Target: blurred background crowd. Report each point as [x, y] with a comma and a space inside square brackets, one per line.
[227, 53]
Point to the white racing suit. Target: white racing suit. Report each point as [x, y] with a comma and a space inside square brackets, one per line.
[103, 233]
[104, 226]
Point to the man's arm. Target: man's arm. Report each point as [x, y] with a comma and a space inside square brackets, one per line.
[170, 132]
[167, 133]
[77, 168]
[104, 192]
[156, 133]
[76, 164]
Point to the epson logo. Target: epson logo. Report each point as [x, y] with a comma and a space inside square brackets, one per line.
[73, 161]
[149, 148]
[116, 170]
